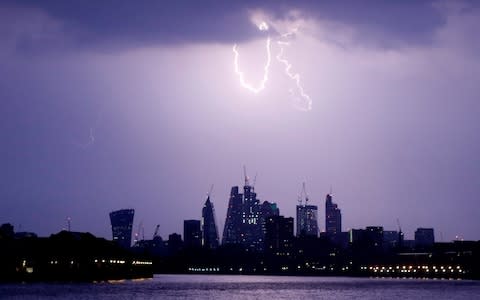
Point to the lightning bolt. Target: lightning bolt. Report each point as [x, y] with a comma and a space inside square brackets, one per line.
[240, 74]
[91, 136]
[302, 99]
[305, 102]
[91, 140]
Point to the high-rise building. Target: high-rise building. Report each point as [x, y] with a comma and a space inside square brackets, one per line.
[122, 221]
[267, 209]
[307, 220]
[209, 228]
[192, 233]
[424, 237]
[233, 222]
[333, 217]
[246, 216]
[252, 234]
[279, 235]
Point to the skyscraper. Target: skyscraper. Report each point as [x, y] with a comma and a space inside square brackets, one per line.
[192, 233]
[209, 228]
[279, 235]
[122, 221]
[307, 220]
[233, 222]
[252, 230]
[267, 209]
[333, 217]
[245, 221]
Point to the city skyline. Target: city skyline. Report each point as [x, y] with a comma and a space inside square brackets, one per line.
[144, 105]
[204, 232]
[138, 232]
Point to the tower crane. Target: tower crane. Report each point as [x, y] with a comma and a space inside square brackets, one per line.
[155, 234]
[303, 195]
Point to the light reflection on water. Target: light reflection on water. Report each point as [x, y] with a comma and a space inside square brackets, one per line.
[248, 287]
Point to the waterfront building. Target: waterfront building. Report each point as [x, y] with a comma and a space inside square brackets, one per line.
[374, 236]
[424, 237]
[368, 240]
[122, 221]
[192, 233]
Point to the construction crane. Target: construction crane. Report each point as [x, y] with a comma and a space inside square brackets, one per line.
[245, 175]
[155, 234]
[303, 195]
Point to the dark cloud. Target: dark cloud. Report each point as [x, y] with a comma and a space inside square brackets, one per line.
[115, 24]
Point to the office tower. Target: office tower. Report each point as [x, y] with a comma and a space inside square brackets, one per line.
[122, 221]
[279, 235]
[245, 221]
[209, 228]
[307, 220]
[267, 209]
[307, 224]
[252, 234]
[233, 222]
[374, 236]
[333, 217]
[192, 233]
[424, 237]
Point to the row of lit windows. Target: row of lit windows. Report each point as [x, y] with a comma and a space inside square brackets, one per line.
[413, 269]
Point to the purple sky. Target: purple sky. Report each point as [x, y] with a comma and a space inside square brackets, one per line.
[137, 105]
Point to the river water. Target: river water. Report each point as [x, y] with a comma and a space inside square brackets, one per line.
[234, 287]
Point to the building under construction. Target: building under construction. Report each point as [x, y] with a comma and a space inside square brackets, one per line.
[246, 216]
[307, 216]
